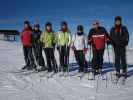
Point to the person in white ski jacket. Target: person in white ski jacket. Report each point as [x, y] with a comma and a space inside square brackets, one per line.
[80, 48]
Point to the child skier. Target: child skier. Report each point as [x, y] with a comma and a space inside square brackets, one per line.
[97, 38]
[48, 43]
[27, 46]
[120, 38]
[64, 40]
[79, 47]
[37, 48]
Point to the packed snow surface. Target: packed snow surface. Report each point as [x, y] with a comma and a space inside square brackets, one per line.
[16, 86]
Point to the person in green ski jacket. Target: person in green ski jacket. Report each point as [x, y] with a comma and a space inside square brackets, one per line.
[63, 42]
[48, 42]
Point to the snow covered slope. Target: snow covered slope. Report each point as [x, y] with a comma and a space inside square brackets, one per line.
[14, 86]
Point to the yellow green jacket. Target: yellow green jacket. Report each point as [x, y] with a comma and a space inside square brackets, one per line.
[63, 38]
[47, 39]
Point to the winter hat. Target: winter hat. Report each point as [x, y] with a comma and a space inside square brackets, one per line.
[27, 22]
[37, 25]
[48, 24]
[64, 23]
[118, 18]
[80, 27]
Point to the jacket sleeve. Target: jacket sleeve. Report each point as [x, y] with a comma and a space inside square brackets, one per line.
[69, 41]
[125, 36]
[113, 39]
[32, 39]
[21, 36]
[42, 37]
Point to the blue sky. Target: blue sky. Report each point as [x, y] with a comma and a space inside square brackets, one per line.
[14, 12]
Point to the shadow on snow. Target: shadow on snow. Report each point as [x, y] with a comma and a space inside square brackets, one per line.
[107, 67]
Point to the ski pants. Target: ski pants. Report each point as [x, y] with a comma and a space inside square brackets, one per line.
[97, 60]
[120, 59]
[80, 58]
[28, 56]
[37, 49]
[51, 61]
[64, 57]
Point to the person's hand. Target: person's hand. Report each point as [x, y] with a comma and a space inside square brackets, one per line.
[85, 50]
[73, 48]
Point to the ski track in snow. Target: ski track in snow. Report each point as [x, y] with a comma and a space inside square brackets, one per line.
[14, 86]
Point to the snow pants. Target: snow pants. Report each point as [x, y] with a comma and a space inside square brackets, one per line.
[97, 60]
[80, 58]
[51, 61]
[28, 56]
[120, 59]
[37, 49]
[64, 57]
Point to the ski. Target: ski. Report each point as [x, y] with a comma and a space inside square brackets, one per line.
[123, 81]
[81, 76]
[50, 75]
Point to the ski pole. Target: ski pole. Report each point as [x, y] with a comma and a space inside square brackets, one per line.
[108, 56]
[68, 51]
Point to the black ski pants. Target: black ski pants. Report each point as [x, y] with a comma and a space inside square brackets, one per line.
[120, 59]
[28, 56]
[51, 61]
[97, 60]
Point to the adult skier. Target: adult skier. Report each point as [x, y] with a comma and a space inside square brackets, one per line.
[26, 37]
[48, 43]
[120, 38]
[37, 48]
[64, 40]
[97, 38]
[79, 46]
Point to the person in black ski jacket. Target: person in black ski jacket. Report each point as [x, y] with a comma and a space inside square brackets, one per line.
[37, 48]
[119, 39]
[97, 39]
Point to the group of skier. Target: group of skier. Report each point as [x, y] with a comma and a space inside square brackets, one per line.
[34, 42]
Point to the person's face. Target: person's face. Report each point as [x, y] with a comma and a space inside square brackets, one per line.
[63, 27]
[95, 25]
[26, 26]
[118, 22]
[79, 31]
[36, 28]
[48, 28]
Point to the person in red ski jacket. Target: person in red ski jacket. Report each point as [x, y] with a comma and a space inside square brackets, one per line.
[97, 39]
[26, 37]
